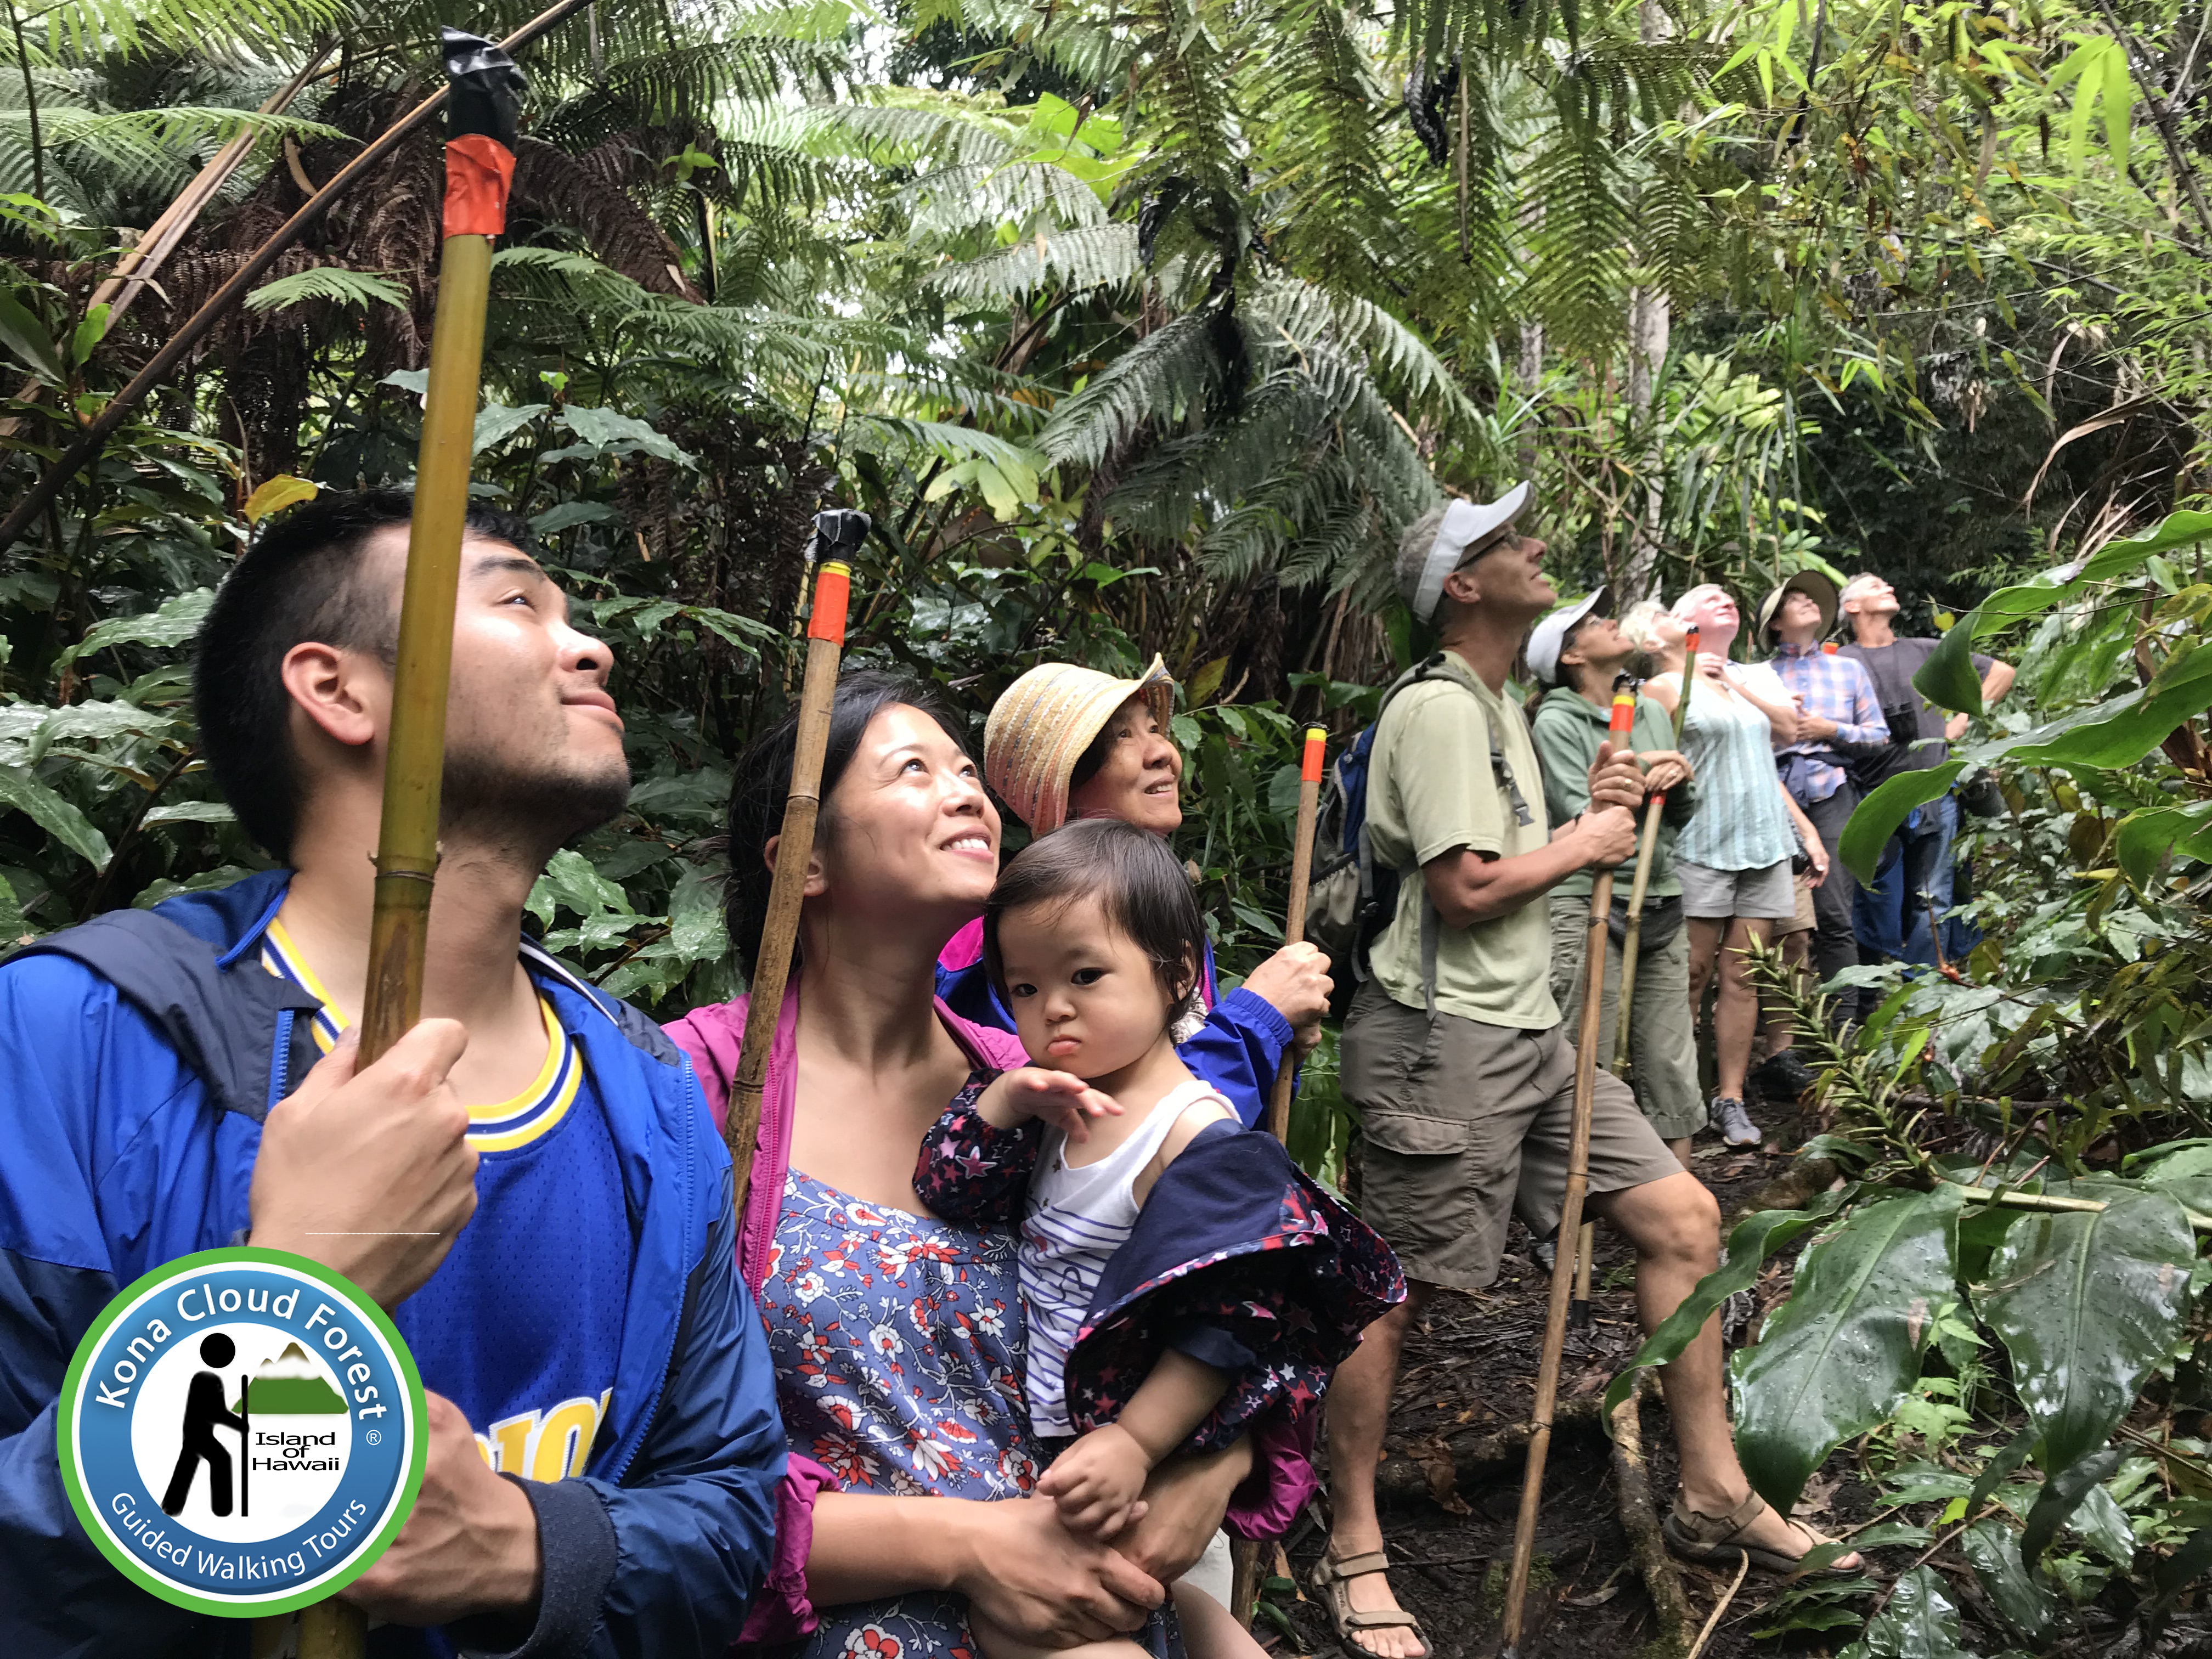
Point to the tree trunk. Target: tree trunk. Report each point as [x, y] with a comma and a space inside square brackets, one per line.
[1648, 317]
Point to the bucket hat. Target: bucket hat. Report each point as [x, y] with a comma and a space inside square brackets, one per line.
[1042, 724]
[1812, 582]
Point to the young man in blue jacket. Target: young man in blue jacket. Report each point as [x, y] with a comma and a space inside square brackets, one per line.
[529, 1179]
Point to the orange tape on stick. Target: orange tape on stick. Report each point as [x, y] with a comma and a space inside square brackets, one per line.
[1316, 747]
[478, 170]
[833, 592]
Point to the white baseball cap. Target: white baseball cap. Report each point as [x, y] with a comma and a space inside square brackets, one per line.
[1465, 523]
[1549, 637]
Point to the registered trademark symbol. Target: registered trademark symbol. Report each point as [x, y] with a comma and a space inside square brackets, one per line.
[373, 1437]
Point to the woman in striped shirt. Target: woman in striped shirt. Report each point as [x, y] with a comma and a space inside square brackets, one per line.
[1734, 855]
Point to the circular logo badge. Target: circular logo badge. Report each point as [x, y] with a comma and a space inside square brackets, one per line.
[242, 1432]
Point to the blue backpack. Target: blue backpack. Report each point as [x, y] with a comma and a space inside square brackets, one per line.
[1353, 897]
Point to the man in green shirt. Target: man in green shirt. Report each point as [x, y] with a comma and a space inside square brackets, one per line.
[1455, 1053]
[1578, 651]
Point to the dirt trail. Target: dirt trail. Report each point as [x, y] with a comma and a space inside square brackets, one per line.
[1472, 1369]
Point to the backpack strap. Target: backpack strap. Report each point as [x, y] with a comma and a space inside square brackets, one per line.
[238, 1028]
[1429, 668]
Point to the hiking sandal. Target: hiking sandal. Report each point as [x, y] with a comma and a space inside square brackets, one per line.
[1330, 1575]
[1716, 1540]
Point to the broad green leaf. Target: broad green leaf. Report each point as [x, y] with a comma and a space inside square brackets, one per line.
[176, 621]
[2100, 1520]
[570, 880]
[191, 811]
[22, 333]
[98, 722]
[1753, 1239]
[496, 423]
[14, 930]
[1876, 818]
[2119, 98]
[56, 817]
[609, 430]
[2147, 836]
[2087, 1303]
[1920, 1622]
[2016, 1453]
[1992, 1549]
[570, 513]
[1948, 680]
[1845, 1348]
[274, 495]
[695, 924]
[89, 333]
[2061, 1494]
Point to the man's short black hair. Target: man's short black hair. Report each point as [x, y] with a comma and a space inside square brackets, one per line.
[1144, 888]
[301, 579]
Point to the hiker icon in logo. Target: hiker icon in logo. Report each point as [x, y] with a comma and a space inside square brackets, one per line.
[205, 1412]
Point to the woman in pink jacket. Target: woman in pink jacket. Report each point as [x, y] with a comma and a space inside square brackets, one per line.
[897, 1336]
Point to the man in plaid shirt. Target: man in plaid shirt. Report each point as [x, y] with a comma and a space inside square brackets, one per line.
[1840, 717]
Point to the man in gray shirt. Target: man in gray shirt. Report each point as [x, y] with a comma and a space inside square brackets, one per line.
[1913, 881]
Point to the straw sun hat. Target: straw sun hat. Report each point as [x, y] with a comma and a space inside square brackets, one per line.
[1042, 724]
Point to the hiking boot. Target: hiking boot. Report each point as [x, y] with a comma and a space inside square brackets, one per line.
[1727, 1114]
[1783, 1077]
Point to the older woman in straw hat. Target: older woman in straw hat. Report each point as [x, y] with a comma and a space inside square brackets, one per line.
[1066, 741]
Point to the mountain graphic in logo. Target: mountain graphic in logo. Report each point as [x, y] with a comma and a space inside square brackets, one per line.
[289, 1385]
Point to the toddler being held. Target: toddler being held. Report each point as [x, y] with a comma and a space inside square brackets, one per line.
[1162, 1244]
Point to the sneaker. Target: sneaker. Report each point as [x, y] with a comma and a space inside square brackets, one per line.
[1546, 1250]
[1784, 1077]
[1735, 1123]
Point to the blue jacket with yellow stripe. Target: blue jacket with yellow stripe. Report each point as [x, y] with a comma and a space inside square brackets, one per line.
[138, 1056]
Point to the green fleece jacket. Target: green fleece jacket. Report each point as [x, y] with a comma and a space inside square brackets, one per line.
[1568, 728]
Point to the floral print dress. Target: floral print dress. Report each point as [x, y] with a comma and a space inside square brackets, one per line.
[897, 1341]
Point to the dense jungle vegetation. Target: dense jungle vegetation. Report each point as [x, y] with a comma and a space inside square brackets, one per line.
[1146, 328]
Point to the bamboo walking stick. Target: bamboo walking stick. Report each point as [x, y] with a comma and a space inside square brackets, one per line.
[1294, 923]
[1570, 1215]
[485, 92]
[1644, 854]
[1244, 1553]
[1630, 947]
[838, 529]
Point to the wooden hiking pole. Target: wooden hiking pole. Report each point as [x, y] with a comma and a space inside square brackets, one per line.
[1294, 923]
[1244, 1553]
[1570, 1215]
[1644, 854]
[838, 531]
[484, 95]
[1630, 947]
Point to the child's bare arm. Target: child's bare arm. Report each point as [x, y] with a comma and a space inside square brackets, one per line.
[1097, 1481]
[1061, 1098]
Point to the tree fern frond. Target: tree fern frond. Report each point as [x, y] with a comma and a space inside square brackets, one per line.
[955, 443]
[945, 201]
[1102, 256]
[85, 31]
[331, 284]
[908, 132]
[1579, 265]
[1312, 314]
[1165, 373]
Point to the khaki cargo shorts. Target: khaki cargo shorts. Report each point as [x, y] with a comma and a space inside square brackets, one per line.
[1466, 1123]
